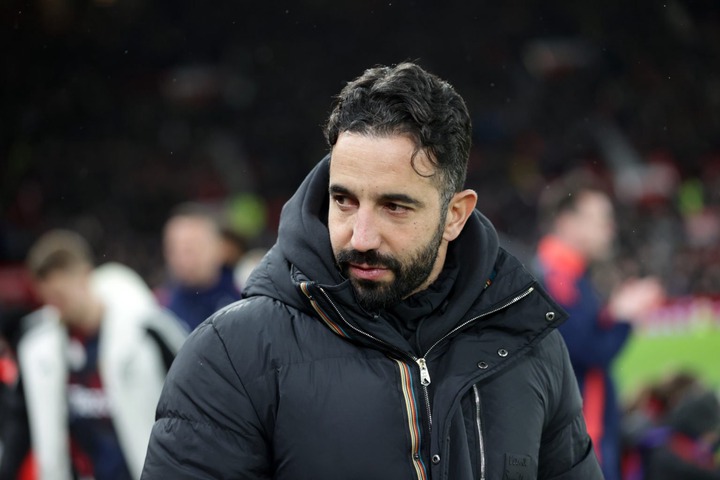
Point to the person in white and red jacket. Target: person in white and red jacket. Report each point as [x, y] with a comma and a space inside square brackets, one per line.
[92, 362]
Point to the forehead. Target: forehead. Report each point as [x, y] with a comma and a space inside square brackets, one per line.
[597, 203]
[188, 227]
[370, 162]
[62, 278]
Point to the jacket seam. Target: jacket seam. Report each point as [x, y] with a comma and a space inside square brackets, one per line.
[237, 375]
[173, 415]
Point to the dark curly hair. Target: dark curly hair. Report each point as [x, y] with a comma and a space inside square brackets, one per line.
[407, 100]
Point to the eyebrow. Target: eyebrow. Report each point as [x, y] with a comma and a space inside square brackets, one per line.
[386, 197]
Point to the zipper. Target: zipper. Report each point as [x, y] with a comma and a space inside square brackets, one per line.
[482, 315]
[413, 419]
[478, 424]
[425, 381]
[424, 372]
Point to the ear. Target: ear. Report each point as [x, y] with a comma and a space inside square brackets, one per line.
[460, 208]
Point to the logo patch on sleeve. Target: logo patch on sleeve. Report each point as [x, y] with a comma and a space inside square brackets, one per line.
[518, 467]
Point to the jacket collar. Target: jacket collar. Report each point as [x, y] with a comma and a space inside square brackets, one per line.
[300, 270]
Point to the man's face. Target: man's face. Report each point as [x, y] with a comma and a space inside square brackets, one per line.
[386, 221]
[594, 224]
[68, 291]
[192, 250]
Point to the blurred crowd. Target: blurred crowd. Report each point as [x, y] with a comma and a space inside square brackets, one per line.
[671, 430]
[83, 363]
[117, 114]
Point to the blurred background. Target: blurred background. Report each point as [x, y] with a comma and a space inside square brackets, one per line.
[115, 111]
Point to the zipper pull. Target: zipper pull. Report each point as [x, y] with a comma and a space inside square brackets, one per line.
[424, 372]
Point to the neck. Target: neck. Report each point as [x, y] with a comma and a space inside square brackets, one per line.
[206, 281]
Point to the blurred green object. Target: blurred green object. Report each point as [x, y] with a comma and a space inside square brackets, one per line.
[647, 358]
[690, 197]
[246, 214]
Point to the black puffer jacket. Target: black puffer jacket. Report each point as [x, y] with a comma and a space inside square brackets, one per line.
[297, 382]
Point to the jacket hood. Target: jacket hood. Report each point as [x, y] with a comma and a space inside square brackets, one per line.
[303, 236]
[303, 244]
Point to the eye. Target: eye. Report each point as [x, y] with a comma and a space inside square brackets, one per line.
[342, 201]
[395, 208]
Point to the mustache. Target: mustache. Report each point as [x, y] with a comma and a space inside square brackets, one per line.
[371, 257]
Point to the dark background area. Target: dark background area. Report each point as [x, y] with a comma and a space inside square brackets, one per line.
[114, 111]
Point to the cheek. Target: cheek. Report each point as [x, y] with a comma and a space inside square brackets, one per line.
[600, 232]
[62, 299]
[208, 258]
[76, 294]
[339, 231]
[405, 240]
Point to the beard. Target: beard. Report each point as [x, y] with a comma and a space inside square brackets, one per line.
[408, 275]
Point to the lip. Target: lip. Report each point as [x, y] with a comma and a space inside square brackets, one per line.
[368, 272]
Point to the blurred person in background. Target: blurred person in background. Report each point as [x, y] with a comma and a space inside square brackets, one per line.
[691, 449]
[247, 264]
[92, 362]
[386, 335]
[240, 259]
[201, 280]
[577, 216]
[671, 430]
[233, 245]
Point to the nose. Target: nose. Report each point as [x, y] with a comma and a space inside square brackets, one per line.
[366, 235]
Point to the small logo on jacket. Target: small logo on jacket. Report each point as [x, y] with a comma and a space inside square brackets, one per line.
[518, 467]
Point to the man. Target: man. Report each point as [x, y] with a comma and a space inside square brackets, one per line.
[201, 283]
[92, 363]
[386, 334]
[578, 216]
